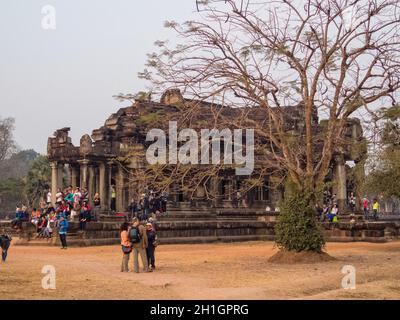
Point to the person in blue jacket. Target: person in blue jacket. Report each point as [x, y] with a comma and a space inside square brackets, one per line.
[5, 241]
[62, 231]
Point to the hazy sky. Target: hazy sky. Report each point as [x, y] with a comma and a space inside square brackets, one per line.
[66, 77]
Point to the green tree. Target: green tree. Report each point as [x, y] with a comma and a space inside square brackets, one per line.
[37, 180]
[385, 176]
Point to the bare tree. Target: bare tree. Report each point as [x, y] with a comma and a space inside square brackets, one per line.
[7, 144]
[333, 58]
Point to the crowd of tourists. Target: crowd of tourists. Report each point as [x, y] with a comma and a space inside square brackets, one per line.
[150, 202]
[72, 203]
[330, 209]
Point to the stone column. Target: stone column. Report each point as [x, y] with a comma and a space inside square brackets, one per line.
[73, 176]
[91, 182]
[104, 186]
[340, 182]
[109, 178]
[84, 173]
[97, 179]
[54, 180]
[60, 175]
[215, 183]
[120, 189]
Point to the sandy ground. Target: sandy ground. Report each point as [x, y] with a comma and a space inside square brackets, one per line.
[204, 271]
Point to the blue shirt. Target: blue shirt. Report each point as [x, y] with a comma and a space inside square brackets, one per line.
[63, 227]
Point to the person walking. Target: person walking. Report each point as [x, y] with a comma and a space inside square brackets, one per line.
[352, 202]
[151, 246]
[5, 241]
[138, 238]
[375, 209]
[365, 203]
[63, 228]
[126, 246]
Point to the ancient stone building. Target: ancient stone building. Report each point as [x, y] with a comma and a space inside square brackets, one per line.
[114, 154]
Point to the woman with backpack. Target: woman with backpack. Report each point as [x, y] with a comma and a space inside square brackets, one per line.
[126, 246]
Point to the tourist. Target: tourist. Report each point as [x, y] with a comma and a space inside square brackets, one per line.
[17, 222]
[352, 202]
[113, 199]
[47, 230]
[59, 196]
[5, 241]
[96, 206]
[63, 229]
[365, 203]
[35, 215]
[85, 195]
[164, 198]
[69, 198]
[145, 206]
[133, 208]
[126, 246]
[42, 227]
[138, 238]
[151, 246]
[84, 216]
[77, 195]
[48, 197]
[375, 209]
[332, 216]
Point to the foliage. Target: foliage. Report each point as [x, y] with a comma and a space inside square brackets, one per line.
[7, 144]
[149, 119]
[297, 228]
[17, 165]
[11, 195]
[38, 179]
[384, 178]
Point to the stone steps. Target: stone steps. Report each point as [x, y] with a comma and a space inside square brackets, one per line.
[211, 239]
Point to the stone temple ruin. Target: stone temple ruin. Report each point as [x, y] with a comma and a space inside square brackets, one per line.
[103, 160]
[115, 153]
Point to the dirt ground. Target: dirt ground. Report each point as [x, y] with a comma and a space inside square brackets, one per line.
[204, 271]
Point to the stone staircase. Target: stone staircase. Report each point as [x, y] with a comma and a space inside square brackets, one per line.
[202, 225]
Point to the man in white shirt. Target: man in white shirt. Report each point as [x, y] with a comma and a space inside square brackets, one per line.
[48, 197]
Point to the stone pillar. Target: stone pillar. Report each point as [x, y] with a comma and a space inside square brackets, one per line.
[340, 182]
[110, 170]
[54, 180]
[84, 173]
[73, 176]
[120, 189]
[215, 186]
[91, 182]
[97, 179]
[60, 175]
[104, 186]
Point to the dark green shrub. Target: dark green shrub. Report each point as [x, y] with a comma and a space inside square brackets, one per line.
[297, 228]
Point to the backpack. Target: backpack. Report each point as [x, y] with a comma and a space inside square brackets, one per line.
[134, 235]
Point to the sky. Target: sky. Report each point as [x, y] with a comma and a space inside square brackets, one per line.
[50, 79]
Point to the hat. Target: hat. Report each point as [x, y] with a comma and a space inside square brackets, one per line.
[149, 224]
